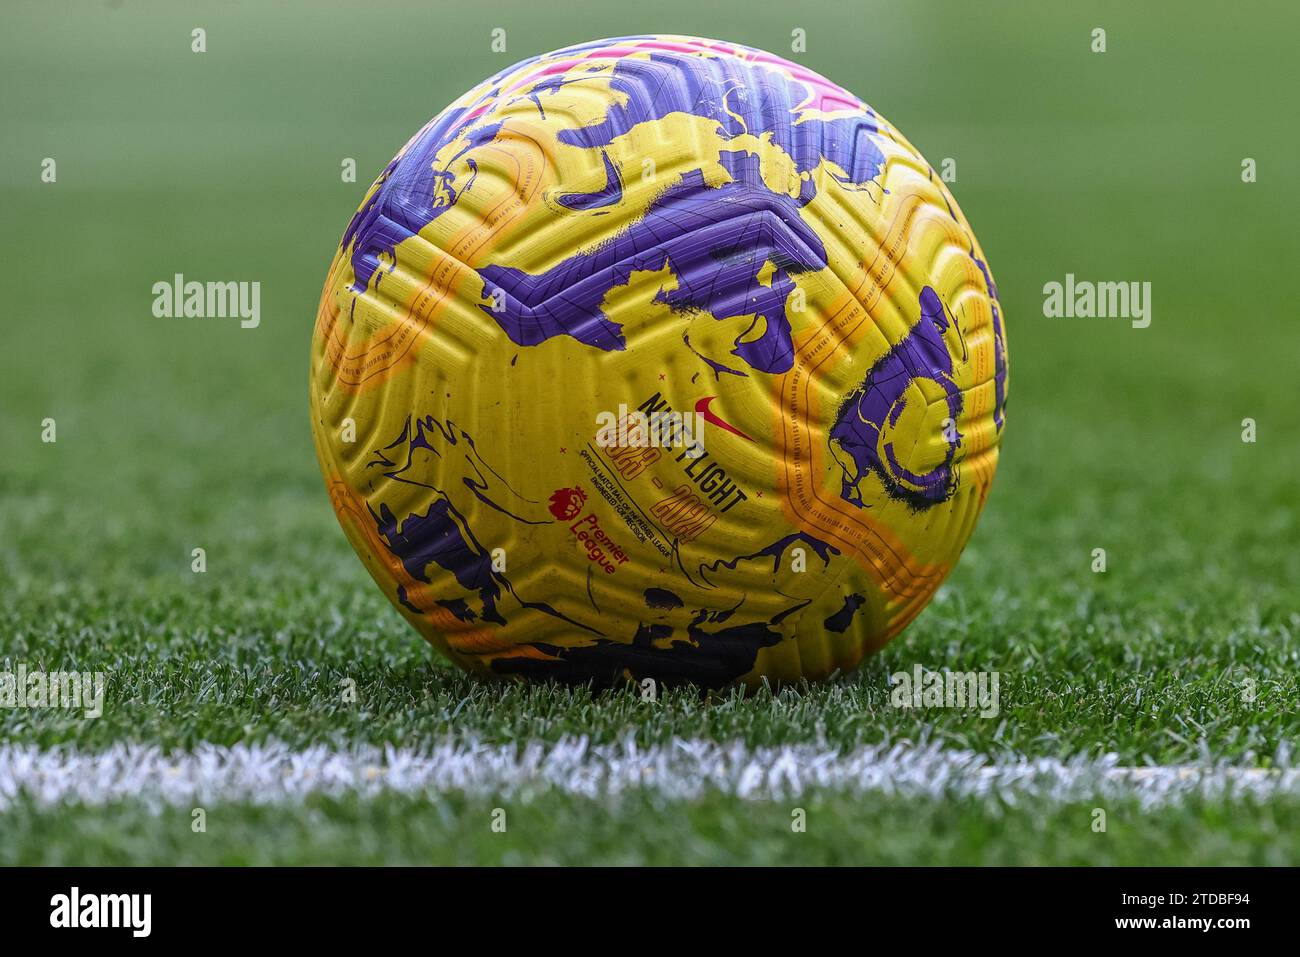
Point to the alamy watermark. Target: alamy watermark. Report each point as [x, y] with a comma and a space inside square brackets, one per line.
[1084, 299]
[182, 299]
[658, 429]
[966, 690]
[74, 690]
[74, 909]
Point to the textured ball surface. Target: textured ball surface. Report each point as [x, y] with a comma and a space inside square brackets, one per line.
[658, 358]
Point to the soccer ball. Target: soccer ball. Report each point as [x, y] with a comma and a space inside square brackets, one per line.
[658, 358]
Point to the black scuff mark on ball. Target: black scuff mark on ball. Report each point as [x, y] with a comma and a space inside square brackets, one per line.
[458, 607]
[841, 620]
[661, 598]
[706, 658]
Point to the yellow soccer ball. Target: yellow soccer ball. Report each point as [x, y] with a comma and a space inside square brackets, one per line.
[660, 358]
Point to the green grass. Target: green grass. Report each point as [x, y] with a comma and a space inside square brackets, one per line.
[189, 663]
[173, 434]
[641, 830]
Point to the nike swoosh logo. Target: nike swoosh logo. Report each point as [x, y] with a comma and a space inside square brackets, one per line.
[702, 407]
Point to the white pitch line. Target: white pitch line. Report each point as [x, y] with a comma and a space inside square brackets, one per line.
[681, 769]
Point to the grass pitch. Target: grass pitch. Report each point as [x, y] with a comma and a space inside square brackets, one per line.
[176, 434]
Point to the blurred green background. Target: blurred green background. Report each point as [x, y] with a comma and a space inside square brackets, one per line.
[1122, 166]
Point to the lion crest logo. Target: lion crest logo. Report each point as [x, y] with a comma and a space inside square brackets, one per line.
[566, 503]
